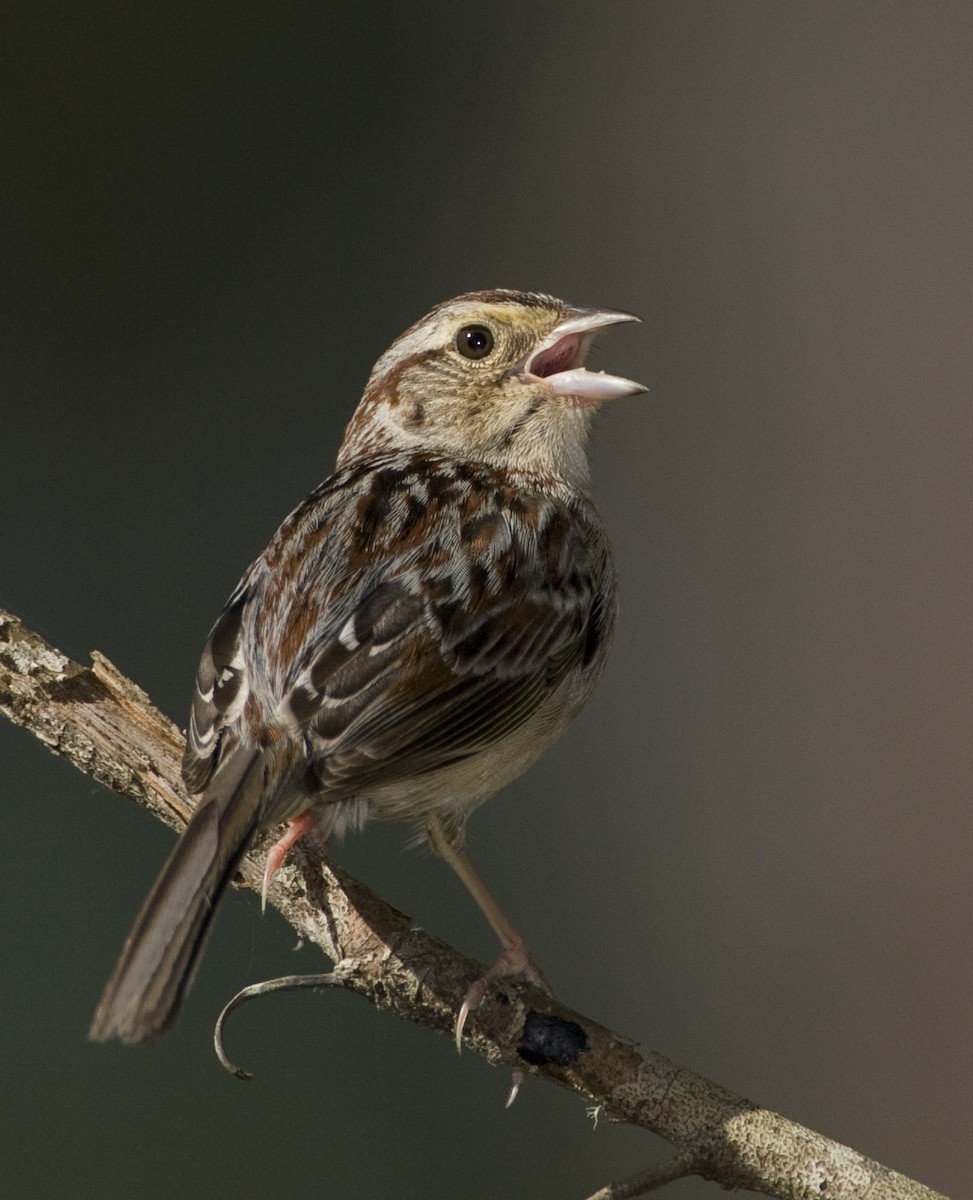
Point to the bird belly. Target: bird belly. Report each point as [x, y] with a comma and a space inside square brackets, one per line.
[453, 792]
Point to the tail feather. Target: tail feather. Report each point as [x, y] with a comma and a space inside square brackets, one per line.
[144, 994]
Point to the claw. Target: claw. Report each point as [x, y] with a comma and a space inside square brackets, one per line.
[473, 998]
[461, 1016]
[516, 1080]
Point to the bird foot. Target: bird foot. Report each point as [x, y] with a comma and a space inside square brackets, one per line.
[515, 959]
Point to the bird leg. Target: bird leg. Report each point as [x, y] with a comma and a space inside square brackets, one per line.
[514, 957]
[297, 827]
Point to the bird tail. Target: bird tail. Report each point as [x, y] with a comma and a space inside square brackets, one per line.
[143, 996]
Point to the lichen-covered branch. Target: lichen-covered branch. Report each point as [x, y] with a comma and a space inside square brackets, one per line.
[108, 728]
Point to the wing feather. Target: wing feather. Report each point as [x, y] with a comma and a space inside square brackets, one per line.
[394, 652]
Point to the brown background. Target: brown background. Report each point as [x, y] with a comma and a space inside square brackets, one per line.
[753, 851]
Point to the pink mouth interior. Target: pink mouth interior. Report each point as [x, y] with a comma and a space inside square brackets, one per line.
[567, 352]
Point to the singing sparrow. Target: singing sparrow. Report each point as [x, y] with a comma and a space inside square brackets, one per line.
[416, 633]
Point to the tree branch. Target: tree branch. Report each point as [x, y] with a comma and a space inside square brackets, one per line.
[107, 727]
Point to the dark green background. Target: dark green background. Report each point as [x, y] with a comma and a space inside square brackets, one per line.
[753, 850]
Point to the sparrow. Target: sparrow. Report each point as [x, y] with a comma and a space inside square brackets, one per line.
[417, 632]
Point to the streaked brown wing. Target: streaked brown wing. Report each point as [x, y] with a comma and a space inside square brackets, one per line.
[424, 714]
[394, 647]
[457, 676]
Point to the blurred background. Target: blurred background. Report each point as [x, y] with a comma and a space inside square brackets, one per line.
[752, 852]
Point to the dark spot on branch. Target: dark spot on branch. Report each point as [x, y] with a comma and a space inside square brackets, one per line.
[551, 1040]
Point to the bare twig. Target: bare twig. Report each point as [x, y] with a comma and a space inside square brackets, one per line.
[107, 727]
[644, 1182]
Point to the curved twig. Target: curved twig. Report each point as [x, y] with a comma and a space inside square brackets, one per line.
[339, 977]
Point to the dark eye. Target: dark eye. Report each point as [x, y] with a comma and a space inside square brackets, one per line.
[474, 341]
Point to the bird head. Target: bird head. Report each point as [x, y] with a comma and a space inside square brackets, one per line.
[494, 376]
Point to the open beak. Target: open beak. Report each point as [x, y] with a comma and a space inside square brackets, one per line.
[559, 359]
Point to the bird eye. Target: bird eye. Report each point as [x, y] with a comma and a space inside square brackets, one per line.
[474, 341]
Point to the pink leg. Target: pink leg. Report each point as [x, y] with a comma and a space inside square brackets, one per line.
[514, 957]
[297, 827]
